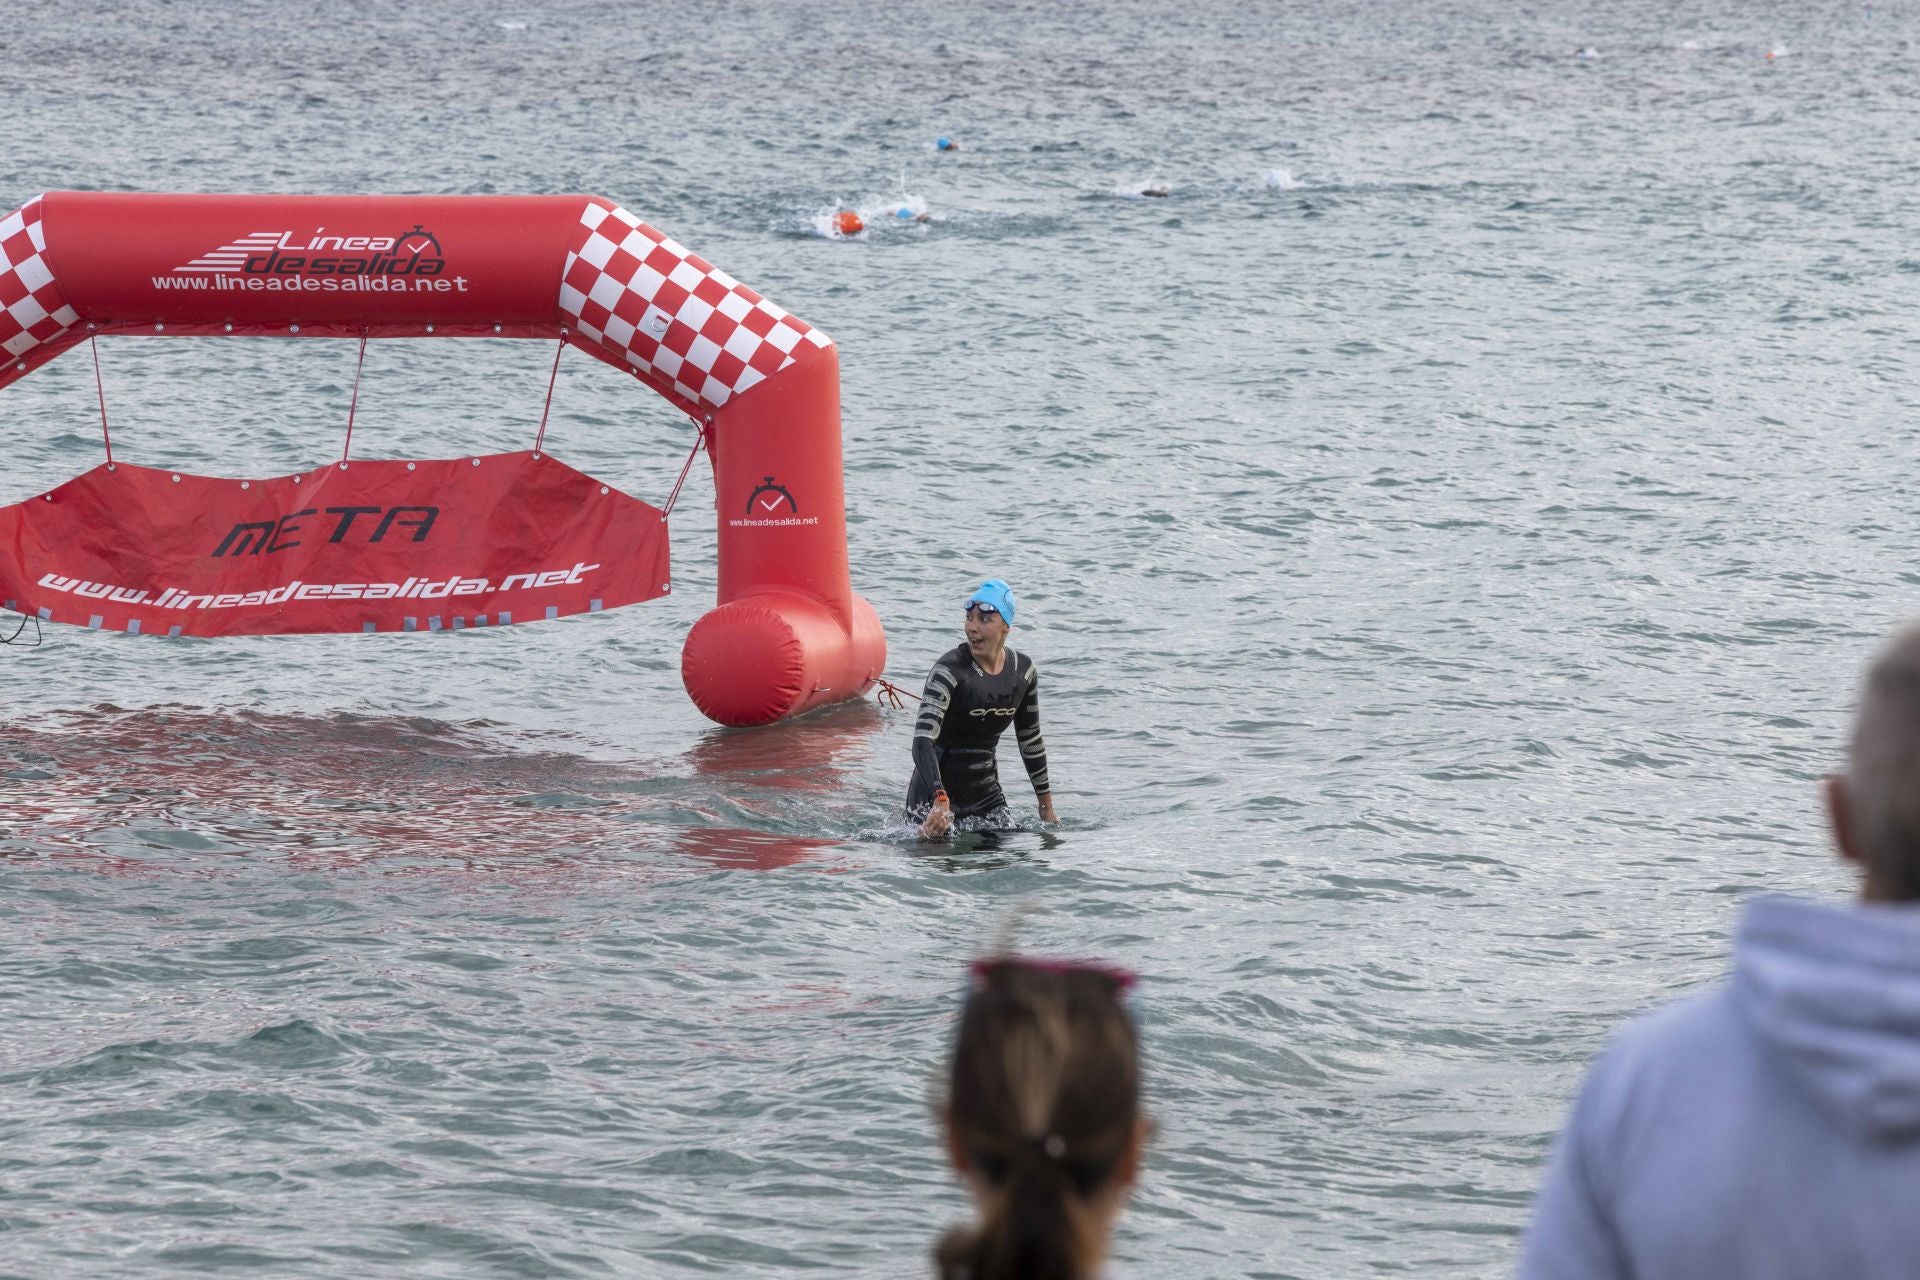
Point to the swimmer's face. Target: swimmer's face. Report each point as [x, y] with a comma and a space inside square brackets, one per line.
[986, 629]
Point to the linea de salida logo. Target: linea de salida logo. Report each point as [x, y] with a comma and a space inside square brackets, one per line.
[265, 253]
[319, 261]
[770, 506]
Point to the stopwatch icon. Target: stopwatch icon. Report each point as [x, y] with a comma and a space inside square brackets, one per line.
[416, 242]
[766, 499]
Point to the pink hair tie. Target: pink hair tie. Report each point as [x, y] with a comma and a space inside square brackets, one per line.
[1123, 979]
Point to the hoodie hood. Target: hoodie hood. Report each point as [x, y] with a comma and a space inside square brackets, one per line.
[1835, 992]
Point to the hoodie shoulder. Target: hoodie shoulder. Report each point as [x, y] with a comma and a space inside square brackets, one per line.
[1664, 1072]
[1671, 1042]
[1697, 1148]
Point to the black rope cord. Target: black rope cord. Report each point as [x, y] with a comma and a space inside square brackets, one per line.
[20, 630]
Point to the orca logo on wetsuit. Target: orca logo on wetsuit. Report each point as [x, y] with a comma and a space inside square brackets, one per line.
[992, 711]
[766, 500]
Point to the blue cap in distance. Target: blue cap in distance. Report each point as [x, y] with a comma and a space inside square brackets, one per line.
[995, 594]
[943, 143]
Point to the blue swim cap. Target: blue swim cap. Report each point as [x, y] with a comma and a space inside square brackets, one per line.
[995, 594]
[943, 143]
[903, 212]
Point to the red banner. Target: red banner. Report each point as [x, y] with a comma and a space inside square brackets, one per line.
[364, 546]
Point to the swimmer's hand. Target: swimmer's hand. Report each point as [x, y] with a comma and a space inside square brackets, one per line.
[939, 818]
[1046, 808]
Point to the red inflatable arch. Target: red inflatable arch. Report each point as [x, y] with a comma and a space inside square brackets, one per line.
[788, 632]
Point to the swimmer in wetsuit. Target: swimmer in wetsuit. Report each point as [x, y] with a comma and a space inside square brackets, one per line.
[972, 694]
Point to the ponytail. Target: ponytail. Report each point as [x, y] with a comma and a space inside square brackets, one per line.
[1033, 1229]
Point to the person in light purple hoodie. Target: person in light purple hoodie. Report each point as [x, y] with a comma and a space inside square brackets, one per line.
[1770, 1127]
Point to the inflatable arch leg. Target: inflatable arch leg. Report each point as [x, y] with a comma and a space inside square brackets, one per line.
[788, 634]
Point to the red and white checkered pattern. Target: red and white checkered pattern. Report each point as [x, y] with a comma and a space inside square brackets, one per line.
[32, 309]
[688, 328]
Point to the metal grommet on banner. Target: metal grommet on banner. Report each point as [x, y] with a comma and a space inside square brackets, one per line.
[429, 328]
[245, 484]
[229, 326]
[293, 328]
[496, 328]
[410, 466]
[476, 462]
[159, 328]
[176, 479]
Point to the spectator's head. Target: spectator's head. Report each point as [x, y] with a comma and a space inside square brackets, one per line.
[1875, 804]
[1043, 1119]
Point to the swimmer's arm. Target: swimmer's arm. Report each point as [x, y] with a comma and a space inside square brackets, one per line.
[926, 727]
[1033, 751]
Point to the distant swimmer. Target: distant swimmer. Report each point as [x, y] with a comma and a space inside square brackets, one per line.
[907, 213]
[1158, 190]
[944, 143]
[848, 223]
[972, 694]
[1587, 54]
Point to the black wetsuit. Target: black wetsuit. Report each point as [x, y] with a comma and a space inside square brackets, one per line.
[962, 715]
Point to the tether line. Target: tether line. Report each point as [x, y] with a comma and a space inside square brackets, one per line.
[100, 387]
[354, 404]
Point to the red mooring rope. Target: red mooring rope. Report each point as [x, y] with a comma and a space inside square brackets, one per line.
[888, 694]
[699, 442]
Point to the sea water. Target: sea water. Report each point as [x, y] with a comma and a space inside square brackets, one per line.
[1449, 524]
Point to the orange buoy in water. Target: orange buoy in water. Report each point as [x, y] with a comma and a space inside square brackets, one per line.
[848, 223]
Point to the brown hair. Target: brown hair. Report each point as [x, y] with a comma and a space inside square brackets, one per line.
[1883, 770]
[1044, 1100]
